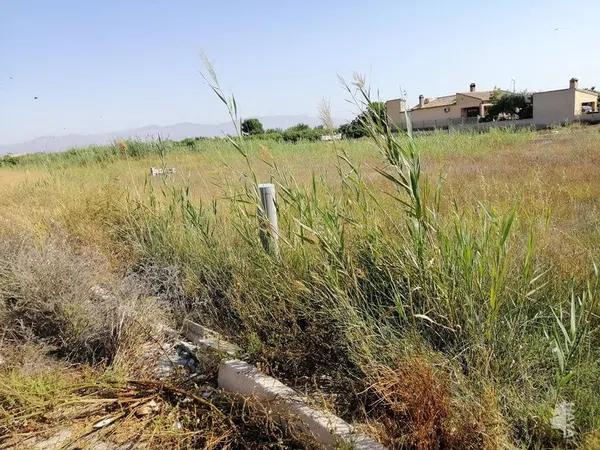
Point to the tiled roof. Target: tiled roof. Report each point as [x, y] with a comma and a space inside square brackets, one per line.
[449, 100]
[481, 95]
[439, 101]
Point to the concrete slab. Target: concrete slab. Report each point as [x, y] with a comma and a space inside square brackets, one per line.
[205, 337]
[243, 378]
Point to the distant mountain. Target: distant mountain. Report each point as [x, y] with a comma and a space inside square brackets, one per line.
[175, 132]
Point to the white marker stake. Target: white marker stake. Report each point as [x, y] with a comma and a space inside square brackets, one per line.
[269, 229]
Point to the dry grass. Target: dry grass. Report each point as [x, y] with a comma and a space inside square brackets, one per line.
[553, 179]
[418, 404]
[547, 175]
[53, 294]
[65, 407]
[350, 286]
[415, 395]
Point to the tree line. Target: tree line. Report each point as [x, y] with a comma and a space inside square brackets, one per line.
[356, 128]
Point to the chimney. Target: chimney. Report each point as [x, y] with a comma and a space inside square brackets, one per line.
[472, 87]
[573, 83]
[421, 98]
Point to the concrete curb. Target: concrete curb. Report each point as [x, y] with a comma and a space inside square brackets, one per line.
[205, 337]
[328, 429]
[243, 378]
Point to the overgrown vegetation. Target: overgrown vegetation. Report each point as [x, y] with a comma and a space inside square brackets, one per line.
[439, 313]
[300, 132]
[375, 112]
[507, 105]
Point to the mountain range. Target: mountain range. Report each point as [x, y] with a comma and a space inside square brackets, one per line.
[174, 132]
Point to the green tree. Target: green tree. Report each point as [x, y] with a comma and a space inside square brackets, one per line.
[375, 114]
[510, 104]
[252, 127]
[299, 127]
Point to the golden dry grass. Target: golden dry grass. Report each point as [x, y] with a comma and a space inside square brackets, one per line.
[552, 178]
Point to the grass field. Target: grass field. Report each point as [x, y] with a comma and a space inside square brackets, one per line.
[456, 312]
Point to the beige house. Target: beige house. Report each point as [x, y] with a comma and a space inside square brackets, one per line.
[462, 107]
[466, 108]
[564, 105]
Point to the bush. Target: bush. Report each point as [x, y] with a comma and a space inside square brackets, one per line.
[297, 133]
[57, 296]
[191, 141]
[302, 132]
[272, 134]
[9, 160]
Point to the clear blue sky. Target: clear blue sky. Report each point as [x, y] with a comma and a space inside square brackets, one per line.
[100, 66]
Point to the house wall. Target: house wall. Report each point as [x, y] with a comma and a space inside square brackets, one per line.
[464, 101]
[434, 117]
[442, 116]
[395, 112]
[584, 97]
[420, 118]
[554, 107]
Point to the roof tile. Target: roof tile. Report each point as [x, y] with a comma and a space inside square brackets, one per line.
[449, 100]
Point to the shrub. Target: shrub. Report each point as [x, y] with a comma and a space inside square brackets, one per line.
[302, 132]
[9, 160]
[57, 296]
[272, 134]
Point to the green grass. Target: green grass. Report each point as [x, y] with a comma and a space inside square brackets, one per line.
[485, 280]
[435, 143]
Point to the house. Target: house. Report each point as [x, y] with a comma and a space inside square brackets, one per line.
[564, 105]
[467, 108]
[440, 112]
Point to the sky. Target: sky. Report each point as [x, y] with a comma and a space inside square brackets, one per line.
[99, 66]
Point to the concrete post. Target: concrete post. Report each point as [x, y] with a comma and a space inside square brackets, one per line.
[269, 228]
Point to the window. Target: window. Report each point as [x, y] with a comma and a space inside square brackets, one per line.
[471, 112]
[588, 107]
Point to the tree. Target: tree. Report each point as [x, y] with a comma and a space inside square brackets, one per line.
[509, 104]
[302, 132]
[375, 114]
[252, 127]
[593, 89]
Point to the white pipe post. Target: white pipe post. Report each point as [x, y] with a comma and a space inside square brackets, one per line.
[269, 228]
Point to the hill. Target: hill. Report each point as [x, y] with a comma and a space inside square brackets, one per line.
[176, 131]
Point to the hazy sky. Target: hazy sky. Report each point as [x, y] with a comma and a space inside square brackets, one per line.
[100, 66]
